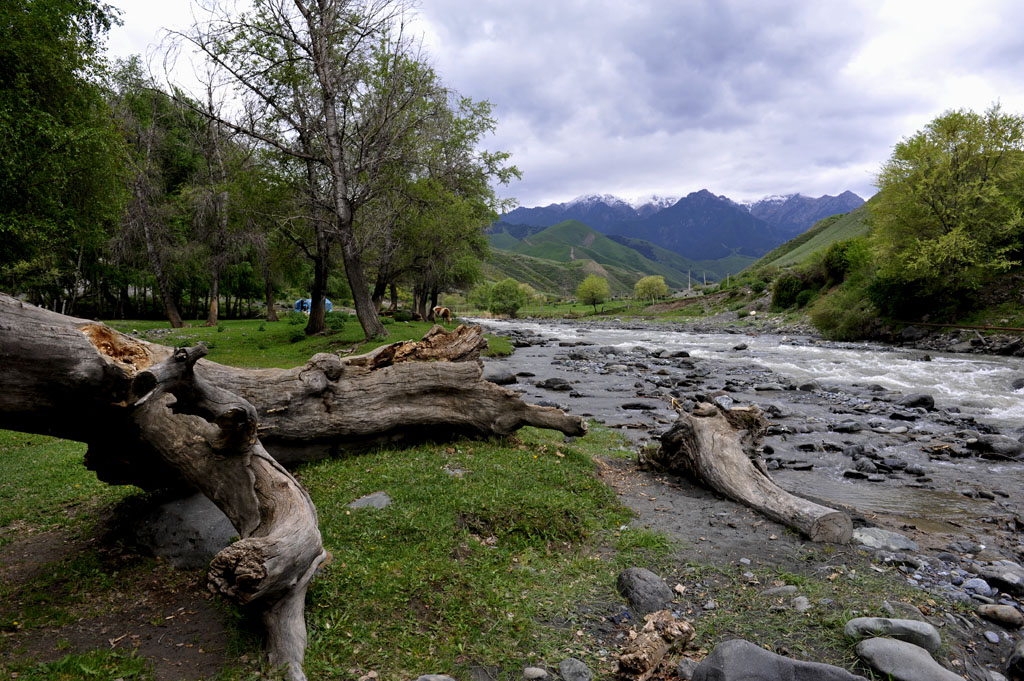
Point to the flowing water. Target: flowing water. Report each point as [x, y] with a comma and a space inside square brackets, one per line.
[979, 385]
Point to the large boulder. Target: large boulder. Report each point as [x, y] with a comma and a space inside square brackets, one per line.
[644, 591]
[912, 631]
[903, 661]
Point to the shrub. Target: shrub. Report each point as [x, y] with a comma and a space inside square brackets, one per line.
[296, 318]
[296, 335]
[402, 316]
[507, 297]
[758, 286]
[787, 287]
[843, 314]
[842, 258]
[335, 321]
[804, 297]
[221, 327]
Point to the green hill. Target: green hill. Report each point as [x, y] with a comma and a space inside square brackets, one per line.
[555, 277]
[819, 237]
[572, 241]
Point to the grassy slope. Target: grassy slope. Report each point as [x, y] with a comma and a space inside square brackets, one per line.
[556, 277]
[819, 237]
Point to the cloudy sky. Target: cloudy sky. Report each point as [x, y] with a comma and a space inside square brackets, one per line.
[744, 98]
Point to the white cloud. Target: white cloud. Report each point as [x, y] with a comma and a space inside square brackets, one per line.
[745, 98]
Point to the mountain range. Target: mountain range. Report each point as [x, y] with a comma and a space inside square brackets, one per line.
[700, 232]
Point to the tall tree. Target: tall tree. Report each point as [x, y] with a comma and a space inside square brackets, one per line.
[326, 83]
[61, 183]
[950, 207]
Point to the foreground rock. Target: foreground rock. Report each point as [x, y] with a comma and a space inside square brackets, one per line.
[644, 591]
[903, 661]
[740, 660]
[919, 633]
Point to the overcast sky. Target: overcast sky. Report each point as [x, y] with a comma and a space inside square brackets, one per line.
[744, 98]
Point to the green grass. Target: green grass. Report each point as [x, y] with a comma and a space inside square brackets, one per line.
[97, 664]
[44, 484]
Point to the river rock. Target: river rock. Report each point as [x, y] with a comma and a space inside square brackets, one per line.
[645, 591]
[375, 500]
[903, 661]
[1007, 615]
[572, 669]
[535, 674]
[555, 383]
[740, 660]
[919, 633]
[877, 538]
[1005, 576]
[998, 445]
[918, 400]
[1017, 383]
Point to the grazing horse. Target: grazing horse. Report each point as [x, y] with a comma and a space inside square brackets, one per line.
[442, 312]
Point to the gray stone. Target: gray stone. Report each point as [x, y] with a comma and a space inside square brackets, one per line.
[977, 585]
[644, 591]
[787, 590]
[877, 538]
[572, 669]
[435, 677]
[186, 532]
[921, 400]
[903, 661]
[375, 500]
[740, 660]
[535, 673]
[919, 633]
[801, 604]
[1007, 615]
[555, 383]
[992, 637]
[1005, 576]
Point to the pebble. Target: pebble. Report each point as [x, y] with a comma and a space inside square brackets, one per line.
[1006, 615]
[992, 636]
[572, 669]
[534, 673]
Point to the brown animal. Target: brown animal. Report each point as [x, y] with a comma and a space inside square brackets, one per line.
[442, 312]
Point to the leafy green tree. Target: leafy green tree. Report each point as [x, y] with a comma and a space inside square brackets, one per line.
[949, 210]
[650, 288]
[507, 297]
[61, 177]
[592, 291]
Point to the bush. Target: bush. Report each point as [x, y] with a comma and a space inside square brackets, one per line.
[335, 321]
[804, 297]
[787, 287]
[296, 335]
[842, 258]
[296, 318]
[758, 286]
[843, 314]
[402, 316]
[507, 297]
[221, 328]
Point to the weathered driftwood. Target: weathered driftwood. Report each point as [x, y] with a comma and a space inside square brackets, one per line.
[717, 448]
[161, 418]
[660, 635]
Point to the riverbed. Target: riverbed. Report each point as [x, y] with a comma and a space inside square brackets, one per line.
[825, 400]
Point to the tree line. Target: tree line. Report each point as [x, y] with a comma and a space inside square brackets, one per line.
[323, 152]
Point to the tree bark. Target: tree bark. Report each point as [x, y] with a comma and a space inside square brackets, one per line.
[660, 635]
[717, 448]
[161, 418]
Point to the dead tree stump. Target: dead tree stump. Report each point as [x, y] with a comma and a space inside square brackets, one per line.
[716, 448]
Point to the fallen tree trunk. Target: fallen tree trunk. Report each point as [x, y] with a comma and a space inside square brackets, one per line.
[717, 448]
[161, 418]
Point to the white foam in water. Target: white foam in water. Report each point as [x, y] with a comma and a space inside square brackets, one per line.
[980, 385]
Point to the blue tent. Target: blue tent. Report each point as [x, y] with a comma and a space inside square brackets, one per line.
[303, 304]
